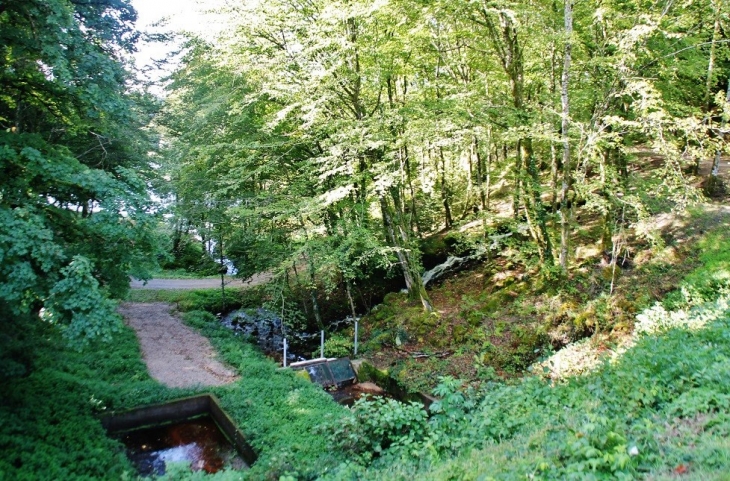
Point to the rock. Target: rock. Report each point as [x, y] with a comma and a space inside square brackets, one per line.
[368, 387]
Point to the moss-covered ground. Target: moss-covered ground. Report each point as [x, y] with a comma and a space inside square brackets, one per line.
[497, 319]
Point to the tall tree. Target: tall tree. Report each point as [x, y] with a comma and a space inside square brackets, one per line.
[73, 204]
[565, 210]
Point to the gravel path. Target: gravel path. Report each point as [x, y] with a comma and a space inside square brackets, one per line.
[173, 284]
[176, 355]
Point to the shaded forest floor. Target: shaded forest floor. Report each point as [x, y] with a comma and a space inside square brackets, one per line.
[501, 318]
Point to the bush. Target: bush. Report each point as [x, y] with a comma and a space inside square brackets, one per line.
[377, 425]
[339, 345]
[660, 406]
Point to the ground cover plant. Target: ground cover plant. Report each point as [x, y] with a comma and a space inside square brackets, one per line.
[210, 300]
[658, 411]
[497, 318]
[52, 395]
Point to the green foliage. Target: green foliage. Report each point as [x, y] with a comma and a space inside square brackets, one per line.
[710, 279]
[188, 255]
[655, 408]
[418, 375]
[339, 345]
[76, 297]
[54, 405]
[622, 421]
[48, 423]
[377, 425]
[74, 205]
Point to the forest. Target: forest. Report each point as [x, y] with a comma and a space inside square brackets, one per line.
[523, 204]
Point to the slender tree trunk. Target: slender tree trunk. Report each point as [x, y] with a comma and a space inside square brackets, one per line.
[714, 184]
[349, 298]
[448, 219]
[565, 210]
[412, 191]
[554, 167]
[711, 63]
[470, 179]
[517, 169]
[312, 278]
[398, 238]
[481, 175]
[299, 283]
[542, 236]
[488, 167]
[313, 291]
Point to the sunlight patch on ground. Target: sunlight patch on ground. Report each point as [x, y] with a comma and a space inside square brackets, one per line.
[584, 356]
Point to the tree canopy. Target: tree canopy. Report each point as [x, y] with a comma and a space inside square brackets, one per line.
[336, 135]
[74, 208]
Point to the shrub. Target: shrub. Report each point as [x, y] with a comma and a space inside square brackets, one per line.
[374, 426]
[339, 345]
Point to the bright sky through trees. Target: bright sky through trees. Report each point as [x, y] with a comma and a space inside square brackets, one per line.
[179, 15]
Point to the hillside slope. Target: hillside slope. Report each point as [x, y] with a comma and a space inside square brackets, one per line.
[657, 410]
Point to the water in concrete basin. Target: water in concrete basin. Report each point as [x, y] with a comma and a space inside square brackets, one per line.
[198, 442]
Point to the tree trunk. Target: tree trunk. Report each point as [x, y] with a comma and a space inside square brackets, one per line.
[565, 209]
[542, 236]
[714, 185]
[313, 292]
[349, 298]
[517, 170]
[449, 221]
[409, 180]
[481, 175]
[398, 238]
[711, 62]
[299, 283]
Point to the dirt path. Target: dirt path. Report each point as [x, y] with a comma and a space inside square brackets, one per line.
[173, 284]
[176, 355]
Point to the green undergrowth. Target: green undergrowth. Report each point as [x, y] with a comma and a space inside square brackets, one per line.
[182, 274]
[710, 278]
[659, 410]
[498, 318]
[52, 396]
[277, 410]
[211, 300]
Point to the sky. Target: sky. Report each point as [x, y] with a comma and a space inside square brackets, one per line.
[188, 15]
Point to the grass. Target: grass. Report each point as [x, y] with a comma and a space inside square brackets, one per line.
[52, 396]
[202, 299]
[658, 411]
[181, 274]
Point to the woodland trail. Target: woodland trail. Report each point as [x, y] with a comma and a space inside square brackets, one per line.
[185, 284]
[176, 355]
